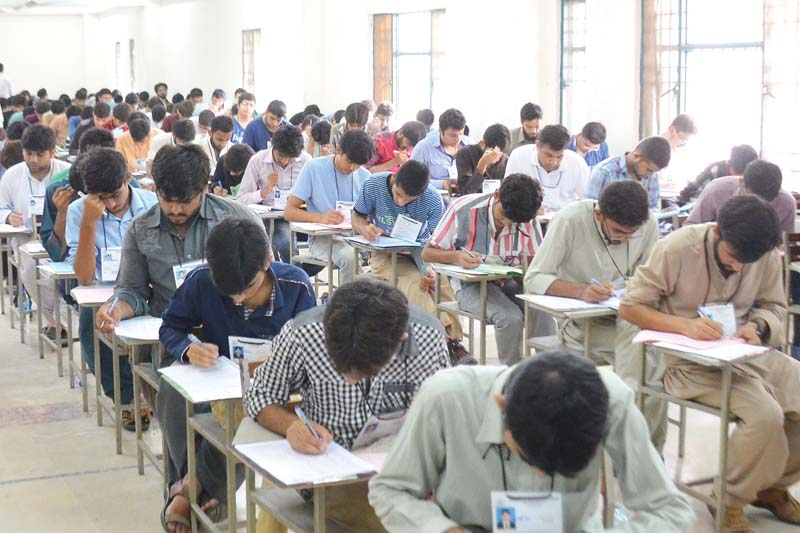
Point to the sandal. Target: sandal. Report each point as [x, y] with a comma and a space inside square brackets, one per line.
[129, 423]
[177, 489]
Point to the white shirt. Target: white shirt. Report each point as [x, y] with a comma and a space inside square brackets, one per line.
[563, 185]
[208, 148]
[259, 168]
[158, 142]
[18, 187]
[5, 87]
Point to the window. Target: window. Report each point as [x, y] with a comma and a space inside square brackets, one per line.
[251, 40]
[117, 59]
[574, 96]
[132, 59]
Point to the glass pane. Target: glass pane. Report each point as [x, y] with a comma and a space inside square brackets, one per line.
[413, 84]
[414, 32]
[724, 21]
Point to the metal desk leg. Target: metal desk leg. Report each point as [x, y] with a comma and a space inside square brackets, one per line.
[5, 283]
[483, 323]
[191, 465]
[722, 481]
[21, 306]
[355, 261]
[137, 409]
[57, 311]
[319, 510]
[10, 266]
[642, 374]
[587, 339]
[526, 328]
[394, 269]
[250, 483]
[230, 431]
[97, 371]
[39, 328]
[271, 231]
[70, 350]
[330, 267]
[117, 395]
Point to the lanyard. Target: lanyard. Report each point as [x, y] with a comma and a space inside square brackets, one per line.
[336, 181]
[175, 245]
[364, 389]
[539, 175]
[504, 453]
[708, 273]
[490, 228]
[626, 275]
[291, 175]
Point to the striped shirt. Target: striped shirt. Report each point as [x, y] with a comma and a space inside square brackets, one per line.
[377, 204]
[616, 169]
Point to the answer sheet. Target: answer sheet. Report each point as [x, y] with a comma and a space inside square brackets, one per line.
[219, 382]
[142, 328]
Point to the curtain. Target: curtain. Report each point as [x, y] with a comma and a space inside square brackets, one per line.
[659, 77]
[382, 57]
[250, 42]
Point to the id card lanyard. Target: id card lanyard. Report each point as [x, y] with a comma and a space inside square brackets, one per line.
[336, 181]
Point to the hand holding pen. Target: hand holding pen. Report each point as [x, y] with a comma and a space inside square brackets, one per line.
[305, 436]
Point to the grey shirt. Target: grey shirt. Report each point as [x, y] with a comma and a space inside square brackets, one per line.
[152, 246]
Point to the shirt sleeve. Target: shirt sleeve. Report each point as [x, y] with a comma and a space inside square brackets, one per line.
[6, 199]
[704, 210]
[365, 204]
[598, 181]
[249, 192]
[654, 279]
[516, 164]
[133, 278]
[583, 178]
[249, 136]
[73, 230]
[543, 270]
[469, 181]
[771, 303]
[650, 236]
[446, 231]
[302, 189]
[49, 240]
[181, 317]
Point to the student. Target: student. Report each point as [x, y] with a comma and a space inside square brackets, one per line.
[134, 144]
[85, 116]
[740, 156]
[80, 98]
[498, 227]
[734, 260]
[243, 116]
[196, 96]
[120, 116]
[591, 248]
[161, 92]
[650, 155]
[562, 173]
[427, 117]
[322, 185]
[241, 292]
[319, 144]
[541, 426]
[217, 102]
[761, 178]
[230, 170]
[380, 121]
[485, 160]
[96, 225]
[101, 118]
[305, 126]
[183, 109]
[219, 141]
[530, 117]
[590, 143]
[157, 114]
[356, 116]
[680, 131]
[259, 132]
[59, 122]
[132, 101]
[270, 177]
[344, 358]
[393, 148]
[168, 238]
[5, 85]
[18, 103]
[438, 150]
[183, 132]
[384, 199]
[104, 95]
[203, 122]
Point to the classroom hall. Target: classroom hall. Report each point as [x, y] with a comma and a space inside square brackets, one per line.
[438, 266]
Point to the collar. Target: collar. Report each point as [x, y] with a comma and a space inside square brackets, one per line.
[623, 165]
[136, 205]
[490, 215]
[491, 430]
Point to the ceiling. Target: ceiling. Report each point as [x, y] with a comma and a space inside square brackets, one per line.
[63, 7]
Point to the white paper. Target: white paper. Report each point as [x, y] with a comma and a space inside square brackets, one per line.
[33, 247]
[259, 208]
[384, 242]
[557, 303]
[219, 382]
[406, 228]
[311, 227]
[490, 186]
[731, 352]
[293, 468]
[722, 313]
[8, 228]
[110, 259]
[527, 512]
[61, 268]
[143, 328]
[92, 295]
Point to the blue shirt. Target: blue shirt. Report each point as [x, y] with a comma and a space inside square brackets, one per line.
[592, 158]
[377, 204]
[238, 131]
[72, 124]
[110, 230]
[197, 302]
[257, 135]
[320, 185]
[616, 169]
[431, 152]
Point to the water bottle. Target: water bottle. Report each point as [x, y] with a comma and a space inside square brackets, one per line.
[78, 382]
[26, 300]
[620, 516]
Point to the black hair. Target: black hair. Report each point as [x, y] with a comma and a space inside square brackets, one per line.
[181, 172]
[426, 116]
[11, 154]
[357, 146]
[356, 113]
[749, 226]
[237, 249]
[222, 123]
[237, 157]
[684, 123]
[763, 179]
[555, 136]
[594, 132]
[122, 113]
[246, 96]
[38, 138]
[452, 119]
[132, 99]
[57, 107]
[159, 84]
[15, 131]
[101, 110]
[95, 137]
[80, 94]
[740, 156]
[385, 109]
[414, 131]
[184, 130]
[118, 98]
[19, 100]
[530, 111]
[413, 177]
[65, 99]
[104, 170]
[41, 93]
[185, 108]
[205, 117]
[321, 132]
[42, 108]
[655, 149]
[144, 96]
[75, 176]
[288, 140]
[139, 129]
[556, 408]
[312, 109]
[296, 119]
[277, 108]
[30, 110]
[102, 92]
[87, 112]
[364, 324]
[73, 111]
[337, 116]
[154, 101]
[521, 197]
[218, 93]
[309, 120]
[625, 202]
[498, 136]
[196, 92]
[158, 112]
[177, 98]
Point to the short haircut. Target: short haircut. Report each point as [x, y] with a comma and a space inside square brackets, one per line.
[101, 110]
[139, 129]
[38, 138]
[414, 131]
[740, 156]
[312, 109]
[288, 140]
[413, 177]
[357, 146]
[684, 123]
[158, 112]
[104, 170]
[11, 154]
[159, 84]
[87, 112]
[655, 149]
[19, 100]
[277, 108]
[121, 113]
[205, 117]
[15, 131]
[177, 98]
[237, 157]
[41, 93]
[321, 132]
[625, 202]
[181, 172]
[132, 99]
[196, 92]
[218, 93]
[452, 119]
[237, 249]
[309, 121]
[246, 96]
[498, 136]
[385, 109]
[184, 130]
[222, 123]
[154, 101]
[364, 324]
[521, 197]
[426, 116]
[75, 177]
[763, 179]
[95, 137]
[73, 111]
[296, 119]
[356, 113]
[42, 108]
[80, 94]
[185, 108]
[144, 96]
[556, 408]
[594, 132]
[750, 226]
[57, 107]
[337, 116]
[530, 111]
[555, 136]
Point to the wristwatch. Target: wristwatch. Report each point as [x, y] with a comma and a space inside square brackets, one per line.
[761, 330]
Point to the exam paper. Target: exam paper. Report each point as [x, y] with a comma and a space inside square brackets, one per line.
[311, 226]
[8, 228]
[219, 382]
[92, 295]
[384, 242]
[730, 352]
[648, 335]
[58, 268]
[143, 328]
[558, 303]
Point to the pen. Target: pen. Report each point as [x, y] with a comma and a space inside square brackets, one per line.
[703, 313]
[110, 309]
[468, 252]
[299, 412]
[193, 339]
[595, 282]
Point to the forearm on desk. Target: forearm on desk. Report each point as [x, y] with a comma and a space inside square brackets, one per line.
[431, 254]
[647, 317]
[276, 418]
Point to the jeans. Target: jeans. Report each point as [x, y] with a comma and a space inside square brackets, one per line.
[86, 334]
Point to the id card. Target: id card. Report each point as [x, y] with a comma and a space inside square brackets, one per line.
[406, 228]
[249, 348]
[279, 197]
[379, 428]
[452, 172]
[722, 313]
[179, 272]
[345, 208]
[110, 259]
[36, 205]
[142, 164]
[527, 512]
[490, 186]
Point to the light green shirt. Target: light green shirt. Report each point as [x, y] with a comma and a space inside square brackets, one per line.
[446, 448]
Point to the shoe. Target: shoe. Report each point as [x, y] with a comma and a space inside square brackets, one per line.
[129, 423]
[780, 503]
[50, 332]
[458, 354]
[735, 519]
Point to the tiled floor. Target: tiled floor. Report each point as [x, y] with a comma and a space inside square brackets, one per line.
[59, 472]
